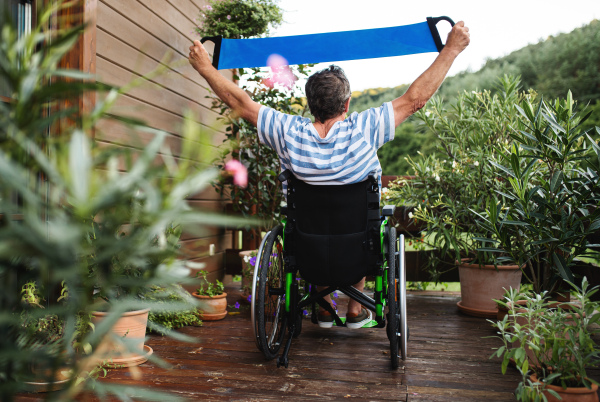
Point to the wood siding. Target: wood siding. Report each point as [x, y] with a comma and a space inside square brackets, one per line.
[133, 39]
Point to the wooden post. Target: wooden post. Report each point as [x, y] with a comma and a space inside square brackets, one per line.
[83, 55]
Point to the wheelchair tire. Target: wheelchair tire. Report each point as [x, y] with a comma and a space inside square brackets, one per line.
[269, 315]
[393, 324]
[401, 275]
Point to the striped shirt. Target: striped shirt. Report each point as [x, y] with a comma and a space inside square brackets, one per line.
[348, 154]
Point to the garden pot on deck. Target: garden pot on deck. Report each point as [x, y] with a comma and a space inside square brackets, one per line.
[212, 308]
[481, 284]
[132, 326]
[40, 381]
[570, 394]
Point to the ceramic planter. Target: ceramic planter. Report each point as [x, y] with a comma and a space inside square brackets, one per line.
[212, 308]
[40, 382]
[575, 394]
[131, 325]
[479, 285]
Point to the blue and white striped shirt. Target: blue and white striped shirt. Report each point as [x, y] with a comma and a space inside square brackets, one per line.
[346, 155]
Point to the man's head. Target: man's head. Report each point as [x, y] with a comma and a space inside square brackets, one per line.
[327, 92]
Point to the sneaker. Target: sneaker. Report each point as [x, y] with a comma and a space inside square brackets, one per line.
[357, 321]
[325, 319]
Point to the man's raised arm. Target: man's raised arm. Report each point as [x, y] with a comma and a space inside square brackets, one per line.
[428, 83]
[236, 98]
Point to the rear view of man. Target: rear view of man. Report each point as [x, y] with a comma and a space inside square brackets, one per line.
[335, 148]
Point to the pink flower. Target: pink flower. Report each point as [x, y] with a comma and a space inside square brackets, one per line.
[229, 17]
[280, 72]
[209, 8]
[239, 172]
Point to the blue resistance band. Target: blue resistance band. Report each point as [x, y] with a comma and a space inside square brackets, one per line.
[326, 47]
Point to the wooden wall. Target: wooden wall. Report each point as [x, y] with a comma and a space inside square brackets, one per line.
[133, 38]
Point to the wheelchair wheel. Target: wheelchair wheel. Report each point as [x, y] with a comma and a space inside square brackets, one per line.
[393, 325]
[268, 295]
[401, 271]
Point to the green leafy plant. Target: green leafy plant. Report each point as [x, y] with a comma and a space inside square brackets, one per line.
[554, 342]
[248, 264]
[208, 288]
[546, 215]
[40, 327]
[68, 208]
[237, 19]
[445, 192]
[168, 317]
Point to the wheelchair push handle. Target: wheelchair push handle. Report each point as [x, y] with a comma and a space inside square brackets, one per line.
[432, 23]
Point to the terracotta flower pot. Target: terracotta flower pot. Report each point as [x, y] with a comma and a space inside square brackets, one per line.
[212, 308]
[131, 325]
[574, 394]
[479, 285]
[40, 382]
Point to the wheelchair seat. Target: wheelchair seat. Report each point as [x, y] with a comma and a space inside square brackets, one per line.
[332, 236]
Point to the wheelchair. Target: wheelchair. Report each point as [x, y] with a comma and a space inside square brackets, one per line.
[333, 236]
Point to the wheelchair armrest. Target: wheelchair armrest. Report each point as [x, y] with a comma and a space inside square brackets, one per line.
[285, 175]
[388, 210]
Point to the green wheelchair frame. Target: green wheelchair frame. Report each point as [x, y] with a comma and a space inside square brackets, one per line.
[278, 301]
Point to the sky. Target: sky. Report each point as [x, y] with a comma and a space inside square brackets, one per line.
[497, 28]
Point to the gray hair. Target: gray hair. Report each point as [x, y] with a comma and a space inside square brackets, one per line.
[327, 92]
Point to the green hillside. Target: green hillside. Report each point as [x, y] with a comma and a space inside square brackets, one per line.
[551, 67]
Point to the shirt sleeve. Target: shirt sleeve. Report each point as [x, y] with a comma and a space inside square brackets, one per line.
[270, 126]
[378, 124]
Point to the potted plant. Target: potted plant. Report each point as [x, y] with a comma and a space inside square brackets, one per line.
[42, 334]
[167, 314]
[212, 299]
[545, 218]
[53, 180]
[552, 346]
[458, 179]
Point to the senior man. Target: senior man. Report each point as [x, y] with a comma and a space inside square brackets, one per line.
[334, 149]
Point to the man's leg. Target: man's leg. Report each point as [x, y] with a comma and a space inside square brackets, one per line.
[355, 307]
[325, 319]
[326, 298]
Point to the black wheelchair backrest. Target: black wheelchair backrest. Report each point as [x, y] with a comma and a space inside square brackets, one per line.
[332, 230]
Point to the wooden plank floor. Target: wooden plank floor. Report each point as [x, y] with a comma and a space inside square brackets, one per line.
[448, 360]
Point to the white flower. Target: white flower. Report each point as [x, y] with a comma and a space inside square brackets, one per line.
[387, 198]
[384, 190]
[437, 178]
[410, 215]
[246, 258]
[476, 163]
[454, 164]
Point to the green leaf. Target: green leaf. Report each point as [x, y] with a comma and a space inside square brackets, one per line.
[594, 225]
[516, 223]
[556, 181]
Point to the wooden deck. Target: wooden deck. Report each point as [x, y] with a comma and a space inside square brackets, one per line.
[448, 360]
